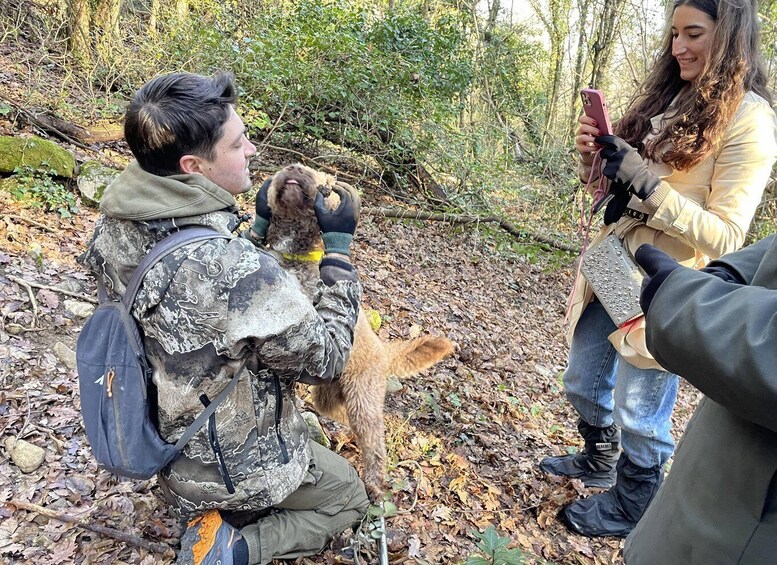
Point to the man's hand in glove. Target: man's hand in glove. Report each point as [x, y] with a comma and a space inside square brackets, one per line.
[339, 225]
[625, 166]
[263, 213]
[657, 266]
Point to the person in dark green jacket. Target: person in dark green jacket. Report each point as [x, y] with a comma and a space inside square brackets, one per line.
[717, 328]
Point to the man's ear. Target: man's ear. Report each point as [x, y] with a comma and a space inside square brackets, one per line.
[191, 164]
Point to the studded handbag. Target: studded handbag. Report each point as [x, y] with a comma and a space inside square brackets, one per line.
[614, 277]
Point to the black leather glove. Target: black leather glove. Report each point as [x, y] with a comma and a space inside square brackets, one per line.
[338, 225]
[618, 203]
[624, 165]
[724, 272]
[657, 266]
[263, 212]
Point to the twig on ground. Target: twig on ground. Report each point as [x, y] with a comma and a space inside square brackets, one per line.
[162, 548]
[406, 463]
[28, 286]
[30, 222]
[53, 288]
[27, 419]
[464, 219]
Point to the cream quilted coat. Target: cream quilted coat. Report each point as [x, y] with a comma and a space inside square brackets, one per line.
[695, 215]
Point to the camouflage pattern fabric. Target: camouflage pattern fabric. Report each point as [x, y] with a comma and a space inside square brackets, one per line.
[203, 309]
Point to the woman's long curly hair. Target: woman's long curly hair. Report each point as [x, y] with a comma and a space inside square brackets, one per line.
[704, 107]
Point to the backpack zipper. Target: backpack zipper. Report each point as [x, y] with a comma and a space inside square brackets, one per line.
[278, 410]
[116, 402]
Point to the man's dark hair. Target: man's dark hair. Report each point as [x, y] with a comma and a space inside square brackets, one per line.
[175, 115]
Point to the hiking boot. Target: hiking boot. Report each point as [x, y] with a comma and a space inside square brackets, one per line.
[614, 512]
[595, 465]
[209, 540]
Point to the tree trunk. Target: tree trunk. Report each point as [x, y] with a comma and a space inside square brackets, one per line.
[153, 17]
[105, 26]
[79, 44]
[182, 10]
[578, 81]
[555, 18]
[604, 41]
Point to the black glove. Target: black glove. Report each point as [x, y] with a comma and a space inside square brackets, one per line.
[724, 272]
[657, 266]
[624, 165]
[338, 225]
[263, 212]
[618, 203]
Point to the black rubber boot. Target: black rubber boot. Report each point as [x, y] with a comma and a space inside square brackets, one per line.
[595, 465]
[614, 512]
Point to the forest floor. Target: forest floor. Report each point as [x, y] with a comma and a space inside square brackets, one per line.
[464, 437]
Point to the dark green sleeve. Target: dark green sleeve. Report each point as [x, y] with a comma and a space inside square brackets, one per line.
[722, 337]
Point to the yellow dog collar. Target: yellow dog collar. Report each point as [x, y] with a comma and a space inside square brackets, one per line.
[310, 256]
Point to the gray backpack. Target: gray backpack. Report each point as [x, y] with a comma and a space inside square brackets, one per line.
[114, 377]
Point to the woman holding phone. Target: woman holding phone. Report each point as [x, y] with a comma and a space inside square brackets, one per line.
[687, 167]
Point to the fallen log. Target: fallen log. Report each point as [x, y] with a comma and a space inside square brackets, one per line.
[466, 219]
[113, 533]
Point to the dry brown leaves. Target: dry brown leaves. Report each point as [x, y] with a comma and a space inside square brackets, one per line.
[464, 438]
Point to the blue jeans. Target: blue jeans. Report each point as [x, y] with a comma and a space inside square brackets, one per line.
[604, 388]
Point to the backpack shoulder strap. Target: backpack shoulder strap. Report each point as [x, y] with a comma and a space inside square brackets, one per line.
[160, 249]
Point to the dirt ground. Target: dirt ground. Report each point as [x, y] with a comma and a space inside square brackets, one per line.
[464, 438]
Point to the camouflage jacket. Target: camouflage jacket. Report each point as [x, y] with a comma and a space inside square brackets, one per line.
[206, 309]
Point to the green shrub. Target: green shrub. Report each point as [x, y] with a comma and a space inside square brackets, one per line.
[37, 187]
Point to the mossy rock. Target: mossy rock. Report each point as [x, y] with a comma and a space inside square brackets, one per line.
[35, 153]
[93, 178]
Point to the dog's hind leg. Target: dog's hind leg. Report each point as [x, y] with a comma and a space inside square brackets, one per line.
[329, 401]
[364, 399]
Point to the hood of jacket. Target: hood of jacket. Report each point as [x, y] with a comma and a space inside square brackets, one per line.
[141, 196]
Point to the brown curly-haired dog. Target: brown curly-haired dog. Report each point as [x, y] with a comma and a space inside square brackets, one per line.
[357, 398]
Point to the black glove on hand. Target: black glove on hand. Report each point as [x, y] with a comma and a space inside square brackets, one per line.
[724, 272]
[657, 266]
[624, 165]
[338, 225]
[263, 213]
[618, 203]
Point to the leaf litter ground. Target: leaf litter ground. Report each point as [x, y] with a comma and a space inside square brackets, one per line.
[464, 437]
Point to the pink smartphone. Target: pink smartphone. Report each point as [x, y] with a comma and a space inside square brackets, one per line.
[595, 107]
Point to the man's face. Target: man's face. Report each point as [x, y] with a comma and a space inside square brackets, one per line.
[229, 167]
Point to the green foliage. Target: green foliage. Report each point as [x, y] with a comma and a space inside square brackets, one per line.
[387, 510]
[415, 83]
[515, 66]
[37, 187]
[494, 550]
[765, 222]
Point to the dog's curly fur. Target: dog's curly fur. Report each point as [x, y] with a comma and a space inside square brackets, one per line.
[357, 398]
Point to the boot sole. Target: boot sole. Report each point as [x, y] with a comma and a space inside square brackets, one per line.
[589, 482]
[576, 529]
